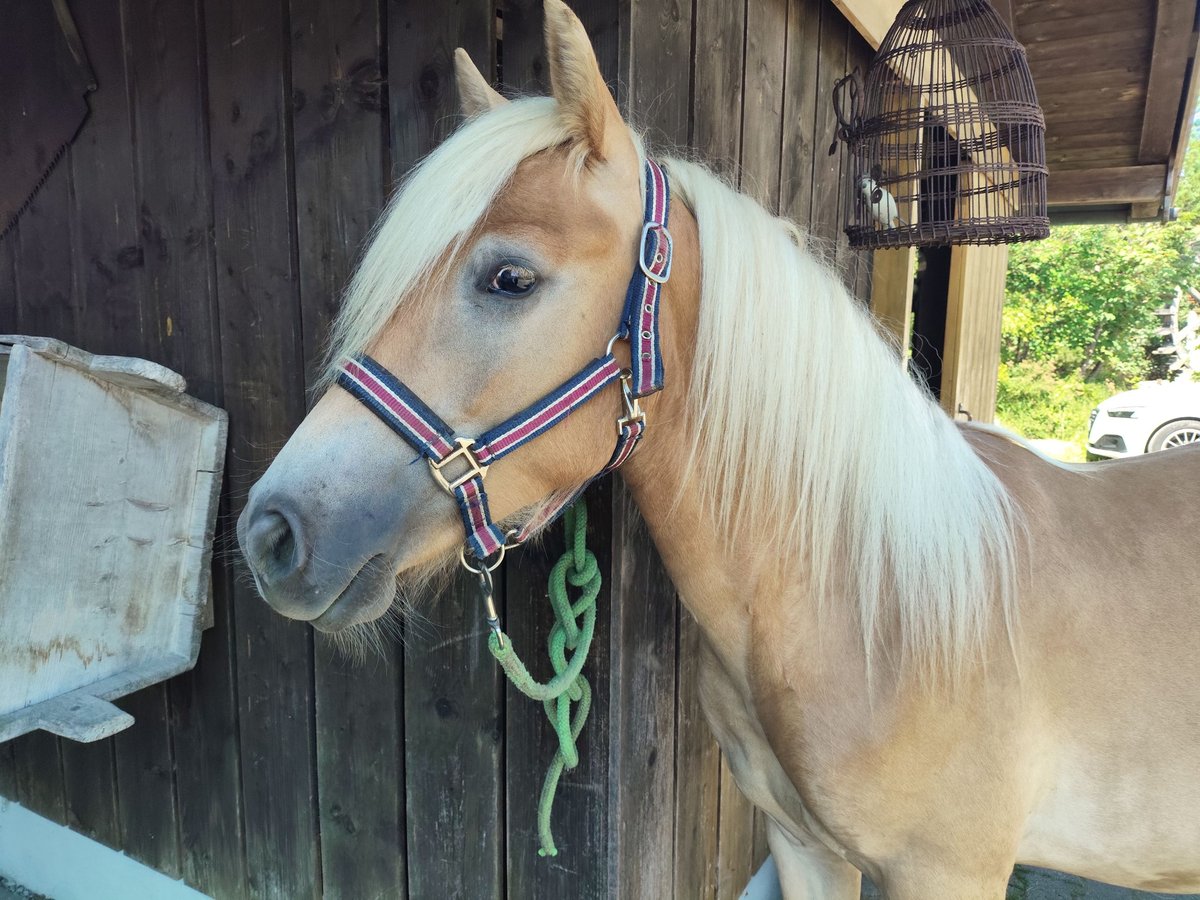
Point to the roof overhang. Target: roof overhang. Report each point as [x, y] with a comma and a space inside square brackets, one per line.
[1117, 80]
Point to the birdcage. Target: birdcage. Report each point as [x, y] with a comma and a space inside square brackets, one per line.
[945, 139]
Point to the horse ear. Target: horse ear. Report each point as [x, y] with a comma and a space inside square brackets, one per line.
[475, 95]
[576, 82]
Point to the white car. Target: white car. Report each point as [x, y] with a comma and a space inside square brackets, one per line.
[1155, 416]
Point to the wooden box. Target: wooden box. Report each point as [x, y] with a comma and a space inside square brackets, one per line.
[109, 478]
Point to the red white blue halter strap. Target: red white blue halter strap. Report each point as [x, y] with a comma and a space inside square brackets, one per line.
[459, 465]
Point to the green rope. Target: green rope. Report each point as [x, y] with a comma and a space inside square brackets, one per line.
[578, 568]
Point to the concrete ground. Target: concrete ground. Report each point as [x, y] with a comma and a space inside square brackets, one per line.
[1040, 884]
[10, 891]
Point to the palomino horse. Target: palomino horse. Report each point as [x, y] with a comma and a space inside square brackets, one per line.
[929, 654]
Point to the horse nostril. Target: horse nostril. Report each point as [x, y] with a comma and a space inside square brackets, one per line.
[275, 546]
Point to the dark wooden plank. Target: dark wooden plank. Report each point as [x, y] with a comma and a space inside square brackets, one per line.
[717, 92]
[760, 848]
[8, 772]
[454, 723]
[37, 761]
[1069, 160]
[340, 157]
[799, 148]
[166, 72]
[42, 269]
[642, 710]
[735, 849]
[146, 797]
[656, 38]
[1100, 23]
[109, 283]
[1127, 184]
[249, 95]
[90, 789]
[580, 817]
[8, 292]
[762, 101]
[698, 760]
[1173, 42]
[1029, 12]
[826, 175]
[108, 254]
[422, 102]
[453, 713]
[850, 262]
[655, 89]
[524, 63]
[43, 238]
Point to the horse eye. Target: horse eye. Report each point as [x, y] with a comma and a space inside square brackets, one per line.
[512, 280]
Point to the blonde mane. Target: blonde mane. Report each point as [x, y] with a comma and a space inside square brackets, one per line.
[810, 439]
[432, 214]
[808, 436]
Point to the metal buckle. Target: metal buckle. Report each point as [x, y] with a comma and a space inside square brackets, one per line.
[633, 406]
[666, 246]
[464, 452]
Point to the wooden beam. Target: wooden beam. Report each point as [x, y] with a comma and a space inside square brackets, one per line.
[1185, 130]
[872, 18]
[892, 294]
[971, 358]
[1173, 41]
[1118, 184]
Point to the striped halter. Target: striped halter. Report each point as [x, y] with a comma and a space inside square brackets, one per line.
[459, 465]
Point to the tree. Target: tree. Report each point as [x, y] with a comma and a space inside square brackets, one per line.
[1083, 300]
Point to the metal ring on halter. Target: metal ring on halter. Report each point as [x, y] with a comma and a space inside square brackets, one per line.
[509, 544]
[612, 342]
[483, 563]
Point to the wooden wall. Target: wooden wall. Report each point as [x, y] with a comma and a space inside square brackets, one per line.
[235, 157]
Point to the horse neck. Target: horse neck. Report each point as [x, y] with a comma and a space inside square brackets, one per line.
[724, 584]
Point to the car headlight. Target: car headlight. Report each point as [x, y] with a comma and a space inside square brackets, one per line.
[1122, 413]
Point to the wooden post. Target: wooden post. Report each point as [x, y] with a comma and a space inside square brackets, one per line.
[892, 294]
[972, 352]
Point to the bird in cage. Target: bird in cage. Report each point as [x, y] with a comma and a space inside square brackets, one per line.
[879, 199]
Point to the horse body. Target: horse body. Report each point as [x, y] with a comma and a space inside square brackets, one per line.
[927, 655]
[1076, 746]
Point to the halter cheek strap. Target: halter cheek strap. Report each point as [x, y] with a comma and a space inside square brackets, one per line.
[459, 465]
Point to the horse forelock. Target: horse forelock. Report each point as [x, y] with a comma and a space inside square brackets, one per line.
[810, 439]
[433, 213]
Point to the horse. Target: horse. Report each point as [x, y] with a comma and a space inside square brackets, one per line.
[928, 652]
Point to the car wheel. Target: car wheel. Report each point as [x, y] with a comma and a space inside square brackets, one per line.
[1175, 434]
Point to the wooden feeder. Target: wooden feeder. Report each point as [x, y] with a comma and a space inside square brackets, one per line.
[109, 476]
[946, 139]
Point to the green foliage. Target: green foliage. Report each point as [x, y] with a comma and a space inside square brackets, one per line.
[1035, 401]
[1079, 306]
[1083, 300]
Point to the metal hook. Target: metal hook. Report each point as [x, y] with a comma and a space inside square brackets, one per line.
[487, 593]
[845, 96]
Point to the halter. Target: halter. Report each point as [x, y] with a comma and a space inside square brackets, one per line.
[459, 465]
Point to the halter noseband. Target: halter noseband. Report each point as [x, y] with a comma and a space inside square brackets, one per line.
[459, 465]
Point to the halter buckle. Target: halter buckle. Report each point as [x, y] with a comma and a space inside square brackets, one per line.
[633, 406]
[664, 248]
[466, 453]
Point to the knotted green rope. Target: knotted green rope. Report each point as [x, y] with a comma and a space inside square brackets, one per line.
[578, 568]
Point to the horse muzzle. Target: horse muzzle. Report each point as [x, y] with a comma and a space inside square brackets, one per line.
[324, 541]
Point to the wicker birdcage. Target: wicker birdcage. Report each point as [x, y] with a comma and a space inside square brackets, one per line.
[946, 139]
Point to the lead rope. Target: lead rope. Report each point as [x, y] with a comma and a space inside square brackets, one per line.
[577, 567]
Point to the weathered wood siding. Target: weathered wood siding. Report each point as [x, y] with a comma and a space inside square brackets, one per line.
[235, 158]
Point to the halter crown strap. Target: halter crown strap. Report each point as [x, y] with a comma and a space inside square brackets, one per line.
[460, 464]
[639, 321]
